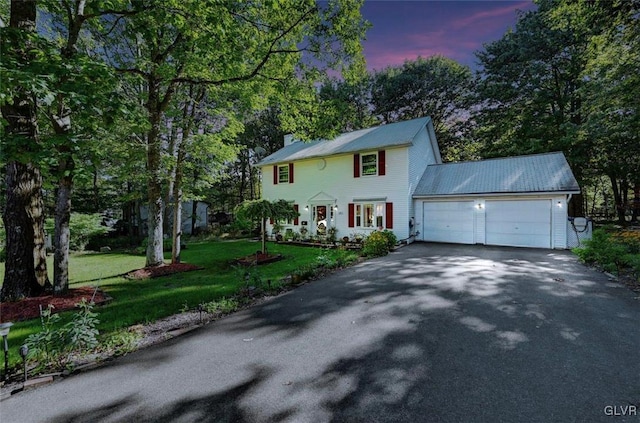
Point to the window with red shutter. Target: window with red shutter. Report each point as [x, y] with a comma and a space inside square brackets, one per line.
[389, 216]
[290, 173]
[381, 163]
[351, 215]
[275, 175]
[356, 165]
[296, 220]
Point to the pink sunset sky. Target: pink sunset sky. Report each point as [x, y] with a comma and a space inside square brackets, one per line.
[404, 30]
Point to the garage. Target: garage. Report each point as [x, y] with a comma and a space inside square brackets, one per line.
[522, 223]
[514, 201]
[449, 221]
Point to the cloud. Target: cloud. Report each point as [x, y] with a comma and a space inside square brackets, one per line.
[490, 15]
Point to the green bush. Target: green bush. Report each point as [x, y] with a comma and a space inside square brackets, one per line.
[608, 251]
[82, 227]
[376, 244]
[53, 347]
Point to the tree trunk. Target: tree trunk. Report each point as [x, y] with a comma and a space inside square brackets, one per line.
[26, 265]
[617, 200]
[62, 236]
[154, 186]
[194, 216]
[177, 208]
[636, 201]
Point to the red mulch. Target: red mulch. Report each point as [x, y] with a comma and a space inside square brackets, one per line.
[28, 308]
[163, 270]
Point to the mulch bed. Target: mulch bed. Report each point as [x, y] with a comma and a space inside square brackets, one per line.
[29, 308]
[163, 270]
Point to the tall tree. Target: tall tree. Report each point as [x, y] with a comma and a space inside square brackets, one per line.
[217, 44]
[437, 87]
[25, 267]
[530, 84]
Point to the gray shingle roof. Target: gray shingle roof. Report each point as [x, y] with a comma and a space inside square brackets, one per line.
[383, 136]
[547, 172]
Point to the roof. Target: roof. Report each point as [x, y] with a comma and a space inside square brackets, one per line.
[547, 172]
[383, 136]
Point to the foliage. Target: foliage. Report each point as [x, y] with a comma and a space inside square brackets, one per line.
[379, 243]
[57, 346]
[613, 251]
[261, 210]
[438, 87]
[82, 228]
[221, 306]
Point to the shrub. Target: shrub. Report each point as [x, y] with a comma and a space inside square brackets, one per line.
[221, 306]
[608, 250]
[56, 347]
[376, 245]
[82, 227]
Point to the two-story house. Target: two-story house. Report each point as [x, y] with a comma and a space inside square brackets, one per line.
[392, 177]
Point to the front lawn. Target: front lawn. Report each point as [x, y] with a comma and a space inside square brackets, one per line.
[142, 301]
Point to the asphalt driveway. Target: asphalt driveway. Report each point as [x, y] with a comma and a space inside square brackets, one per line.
[430, 333]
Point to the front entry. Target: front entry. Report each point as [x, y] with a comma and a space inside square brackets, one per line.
[320, 219]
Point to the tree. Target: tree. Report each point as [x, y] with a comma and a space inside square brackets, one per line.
[261, 210]
[25, 267]
[531, 95]
[437, 87]
[217, 44]
[612, 106]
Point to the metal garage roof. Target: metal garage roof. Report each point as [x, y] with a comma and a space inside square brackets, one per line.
[535, 173]
[383, 136]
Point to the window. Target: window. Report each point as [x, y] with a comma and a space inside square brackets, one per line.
[283, 174]
[369, 164]
[371, 215]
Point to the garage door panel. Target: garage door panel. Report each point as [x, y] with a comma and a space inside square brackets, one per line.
[520, 223]
[448, 221]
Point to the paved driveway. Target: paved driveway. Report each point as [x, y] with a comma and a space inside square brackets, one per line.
[430, 333]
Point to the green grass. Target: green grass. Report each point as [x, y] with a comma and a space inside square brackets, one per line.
[144, 301]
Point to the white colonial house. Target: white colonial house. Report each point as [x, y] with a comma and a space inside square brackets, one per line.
[392, 177]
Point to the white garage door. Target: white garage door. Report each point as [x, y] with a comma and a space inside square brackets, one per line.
[448, 221]
[522, 223]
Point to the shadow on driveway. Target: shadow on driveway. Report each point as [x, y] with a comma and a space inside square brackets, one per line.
[432, 332]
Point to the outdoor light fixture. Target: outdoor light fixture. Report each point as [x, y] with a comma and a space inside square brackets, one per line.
[559, 204]
[306, 208]
[4, 332]
[479, 206]
[24, 351]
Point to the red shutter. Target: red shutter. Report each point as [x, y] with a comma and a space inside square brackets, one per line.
[352, 215]
[295, 221]
[356, 165]
[382, 163]
[290, 173]
[275, 174]
[271, 220]
[389, 216]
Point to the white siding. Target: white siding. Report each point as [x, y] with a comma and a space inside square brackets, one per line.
[337, 181]
[419, 156]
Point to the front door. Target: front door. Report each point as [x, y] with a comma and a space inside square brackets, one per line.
[320, 218]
